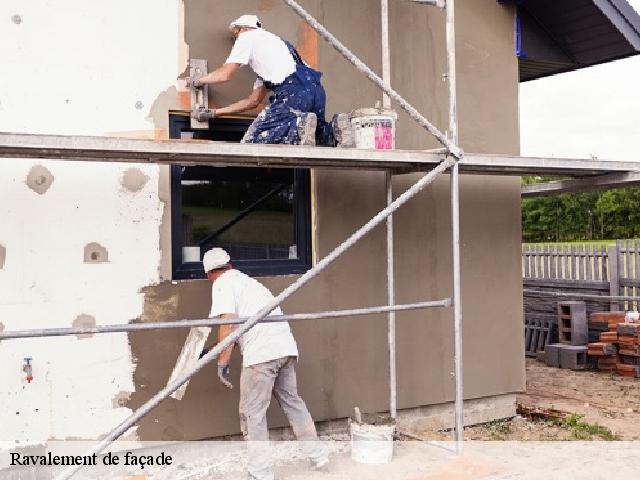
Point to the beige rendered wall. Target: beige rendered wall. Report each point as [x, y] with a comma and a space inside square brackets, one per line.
[344, 362]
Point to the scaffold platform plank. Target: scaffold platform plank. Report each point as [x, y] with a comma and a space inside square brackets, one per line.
[202, 152]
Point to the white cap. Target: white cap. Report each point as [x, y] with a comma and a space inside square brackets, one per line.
[215, 258]
[251, 21]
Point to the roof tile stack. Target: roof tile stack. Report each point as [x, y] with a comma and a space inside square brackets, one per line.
[629, 349]
[619, 347]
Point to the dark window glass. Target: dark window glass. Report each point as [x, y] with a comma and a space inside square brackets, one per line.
[259, 215]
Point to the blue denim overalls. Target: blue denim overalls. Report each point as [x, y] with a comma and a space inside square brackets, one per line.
[299, 93]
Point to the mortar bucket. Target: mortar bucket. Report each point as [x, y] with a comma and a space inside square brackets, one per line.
[372, 444]
[374, 128]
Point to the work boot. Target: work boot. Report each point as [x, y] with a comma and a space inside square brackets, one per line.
[343, 131]
[307, 123]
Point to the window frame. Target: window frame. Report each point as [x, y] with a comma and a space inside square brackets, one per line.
[179, 122]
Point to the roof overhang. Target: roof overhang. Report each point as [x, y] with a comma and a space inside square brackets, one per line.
[556, 36]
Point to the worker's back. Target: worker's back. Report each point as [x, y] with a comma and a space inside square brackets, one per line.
[235, 292]
[266, 54]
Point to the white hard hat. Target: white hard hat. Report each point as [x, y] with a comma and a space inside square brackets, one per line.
[215, 258]
[251, 21]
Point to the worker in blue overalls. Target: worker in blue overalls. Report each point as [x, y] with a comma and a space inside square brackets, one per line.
[296, 110]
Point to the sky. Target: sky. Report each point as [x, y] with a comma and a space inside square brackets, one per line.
[590, 112]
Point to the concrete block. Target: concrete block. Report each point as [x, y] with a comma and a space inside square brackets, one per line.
[573, 357]
[552, 354]
[573, 328]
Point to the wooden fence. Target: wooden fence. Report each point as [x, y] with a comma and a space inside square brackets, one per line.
[566, 262]
[611, 268]
[578, 269]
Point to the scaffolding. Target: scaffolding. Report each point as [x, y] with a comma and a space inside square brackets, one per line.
[449, 159]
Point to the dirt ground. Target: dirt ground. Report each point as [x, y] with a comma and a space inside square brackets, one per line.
[600, 406]
[604, 398]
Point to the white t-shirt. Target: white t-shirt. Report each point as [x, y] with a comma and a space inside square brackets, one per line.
[266, 54]
[235, 292]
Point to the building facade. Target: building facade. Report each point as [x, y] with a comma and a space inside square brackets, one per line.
[104, 243]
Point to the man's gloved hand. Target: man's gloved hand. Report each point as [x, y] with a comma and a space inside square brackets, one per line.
[203, 114]
[204, 351]
[224, 374]
[195, 82]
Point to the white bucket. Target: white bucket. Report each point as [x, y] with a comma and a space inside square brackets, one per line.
[374, 128]
[372, 444]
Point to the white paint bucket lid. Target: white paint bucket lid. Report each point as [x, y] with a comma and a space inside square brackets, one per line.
[374, 112]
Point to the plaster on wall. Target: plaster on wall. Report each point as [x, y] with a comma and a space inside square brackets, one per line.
[134, 180]
[95, 253]
[120, 400]
[84, 321]
[39, 179]
[164, 229]
[266, 5]
[307, 44]
[167, 100]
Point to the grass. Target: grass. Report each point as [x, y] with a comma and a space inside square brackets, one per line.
[500, 430]
[581, 430]
[542, 426]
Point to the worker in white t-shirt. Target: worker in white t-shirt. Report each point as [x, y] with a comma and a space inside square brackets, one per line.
[269, 355]
[296, 110]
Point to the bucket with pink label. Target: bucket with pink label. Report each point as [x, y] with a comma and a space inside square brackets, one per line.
[374, 128]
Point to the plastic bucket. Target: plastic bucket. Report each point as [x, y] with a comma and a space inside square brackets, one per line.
[374, 128]
[372, 444]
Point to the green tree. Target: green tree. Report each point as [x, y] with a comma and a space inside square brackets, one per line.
[581, 216]
[619, 211]
[540, 219]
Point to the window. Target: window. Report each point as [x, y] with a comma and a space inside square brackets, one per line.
[261, 216]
